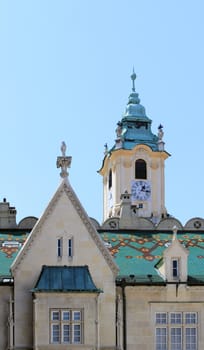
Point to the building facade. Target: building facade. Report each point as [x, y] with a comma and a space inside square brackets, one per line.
[136, 281]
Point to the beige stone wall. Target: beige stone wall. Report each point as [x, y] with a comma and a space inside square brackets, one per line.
[41, 249]
[142, 304]
[91, 314]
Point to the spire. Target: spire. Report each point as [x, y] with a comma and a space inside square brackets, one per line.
[63, 161]
[135, 126]
[133, 77]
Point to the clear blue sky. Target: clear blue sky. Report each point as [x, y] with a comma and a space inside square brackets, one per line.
[65, 70]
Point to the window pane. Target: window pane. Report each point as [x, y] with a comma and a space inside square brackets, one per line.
[66, 333]
[70, 245]
[176, 342]
[59, 247]
[76, 315]
[55, 333]
[55, 315]
[191, 339]
[65, 315]
[191, 318]
[161, 343]
[76, 333]
[161, 318]
[176, 318]
[175, 268]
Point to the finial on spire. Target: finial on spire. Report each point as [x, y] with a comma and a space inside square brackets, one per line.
[64, 162]
[133, 77]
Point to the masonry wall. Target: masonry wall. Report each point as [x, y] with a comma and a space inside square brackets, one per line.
[5, 316]
[143, 302]
[41, 249]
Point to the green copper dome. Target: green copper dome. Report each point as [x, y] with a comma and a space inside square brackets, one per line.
[135, 127]
[134, 109]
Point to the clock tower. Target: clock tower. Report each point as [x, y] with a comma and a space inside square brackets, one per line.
[135, 165]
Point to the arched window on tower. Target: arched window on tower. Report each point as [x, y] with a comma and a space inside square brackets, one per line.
[140, 169]
[110, 179]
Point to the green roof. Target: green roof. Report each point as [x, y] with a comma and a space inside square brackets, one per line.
[65, 279]
[137, 253]
[11, 242]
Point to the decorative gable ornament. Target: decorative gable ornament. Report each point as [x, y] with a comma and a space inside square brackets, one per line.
[64, 162]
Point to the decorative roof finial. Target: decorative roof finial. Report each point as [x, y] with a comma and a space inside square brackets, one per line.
[160, 132]
[63, 149]
[133, 77]
[105, 149]
[64, 162]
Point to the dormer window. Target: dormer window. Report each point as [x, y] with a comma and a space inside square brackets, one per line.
[175, 267]
[140, 169]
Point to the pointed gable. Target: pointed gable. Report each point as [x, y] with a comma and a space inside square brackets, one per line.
[65, 240]
[64, 217]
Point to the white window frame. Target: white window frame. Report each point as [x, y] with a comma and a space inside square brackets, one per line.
[168, 325]
[53, 340]
[70, 327]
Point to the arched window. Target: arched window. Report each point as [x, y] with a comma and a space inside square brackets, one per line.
[140, 169]
[110, 179]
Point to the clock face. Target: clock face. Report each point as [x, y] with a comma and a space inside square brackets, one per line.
[140, 190]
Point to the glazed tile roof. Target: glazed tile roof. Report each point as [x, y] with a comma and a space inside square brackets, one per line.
[65, 279]
[10, 244]
[137, 253]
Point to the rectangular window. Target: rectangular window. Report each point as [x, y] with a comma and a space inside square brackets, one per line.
[191, 338]
[66, 333]
[176, 317]
[191, 318]
[70, 247]
[55, 315]
[176, 340]
[77, 333]
[66, 326]
[66, 315]
[176, 331]
[161, 339]
[55, 331]
[175, 268]
[59, 247]
[161, 318]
